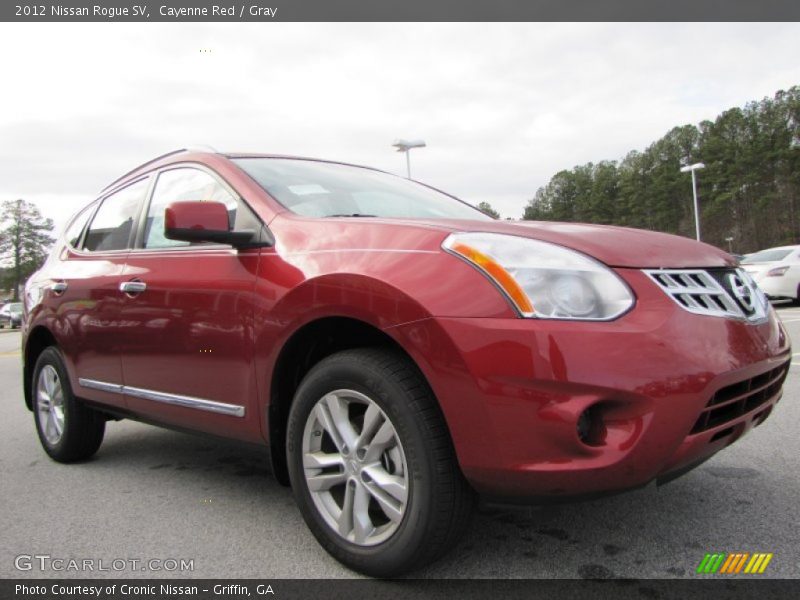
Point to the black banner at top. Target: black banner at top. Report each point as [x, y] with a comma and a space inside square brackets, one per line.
[397, 10]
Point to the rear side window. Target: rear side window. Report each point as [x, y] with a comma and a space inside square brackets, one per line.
[113, 223]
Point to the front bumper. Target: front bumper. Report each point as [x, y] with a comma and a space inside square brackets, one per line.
[667, 389]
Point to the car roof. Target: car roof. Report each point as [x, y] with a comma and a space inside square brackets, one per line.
[169, 157]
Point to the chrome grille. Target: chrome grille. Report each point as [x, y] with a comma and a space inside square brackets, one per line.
[728, 293]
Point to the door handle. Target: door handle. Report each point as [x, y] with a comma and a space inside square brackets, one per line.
[59, 287]
[132, 288]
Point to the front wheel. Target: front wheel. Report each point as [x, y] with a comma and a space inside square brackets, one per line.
[68, 430]
[372, 465]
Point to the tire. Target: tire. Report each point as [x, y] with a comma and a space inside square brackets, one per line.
[81, 428]
[384, 387]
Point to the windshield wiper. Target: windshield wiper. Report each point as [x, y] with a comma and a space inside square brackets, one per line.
[351, 215]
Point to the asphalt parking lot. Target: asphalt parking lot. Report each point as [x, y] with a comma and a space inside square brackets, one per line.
[157, 494]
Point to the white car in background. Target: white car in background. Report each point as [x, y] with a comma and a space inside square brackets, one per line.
[776, 271]
[11, 315]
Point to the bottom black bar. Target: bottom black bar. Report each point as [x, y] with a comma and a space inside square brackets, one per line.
[354, 589]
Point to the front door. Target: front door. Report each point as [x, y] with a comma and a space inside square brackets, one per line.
[188, 352]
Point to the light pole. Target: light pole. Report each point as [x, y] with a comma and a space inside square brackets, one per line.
[730, 244]
[692, 169]
[406, 146]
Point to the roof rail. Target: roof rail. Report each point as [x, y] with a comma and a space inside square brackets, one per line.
[156, 159]
[202, 148]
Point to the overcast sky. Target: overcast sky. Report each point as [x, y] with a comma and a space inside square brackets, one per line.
[502, 106]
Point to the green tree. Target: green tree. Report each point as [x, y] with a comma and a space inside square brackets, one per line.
[487, 209]
[24, 241]
[749, 190]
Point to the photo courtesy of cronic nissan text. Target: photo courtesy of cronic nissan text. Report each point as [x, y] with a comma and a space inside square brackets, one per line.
[323, 299]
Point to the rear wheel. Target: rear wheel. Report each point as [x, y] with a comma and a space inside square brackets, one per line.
[372, 465]
[68, 430]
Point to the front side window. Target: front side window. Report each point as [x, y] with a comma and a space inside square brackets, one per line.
[113, 223]
[181, 185]
[320, 189]
[73, 232]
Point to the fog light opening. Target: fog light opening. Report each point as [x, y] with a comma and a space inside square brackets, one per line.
[590, 427]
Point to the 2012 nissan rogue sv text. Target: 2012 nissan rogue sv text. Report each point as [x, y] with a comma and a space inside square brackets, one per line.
[397, 351]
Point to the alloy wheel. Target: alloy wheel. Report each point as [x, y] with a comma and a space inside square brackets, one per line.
[50, 404]
[355, 467]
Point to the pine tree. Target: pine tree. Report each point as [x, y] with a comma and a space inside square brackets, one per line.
[487, 209]
[24, 242]
[749, 190]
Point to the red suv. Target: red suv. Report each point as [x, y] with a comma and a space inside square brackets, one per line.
[398, 352]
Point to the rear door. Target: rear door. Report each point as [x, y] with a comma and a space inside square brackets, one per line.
[188, 356]
[85, 288]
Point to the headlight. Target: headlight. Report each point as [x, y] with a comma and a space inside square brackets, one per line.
[544, 280]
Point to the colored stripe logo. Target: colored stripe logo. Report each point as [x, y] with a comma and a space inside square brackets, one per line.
[734, 563]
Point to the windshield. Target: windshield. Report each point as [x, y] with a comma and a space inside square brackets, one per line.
[15, 307]
[772, 255]
[320, 189]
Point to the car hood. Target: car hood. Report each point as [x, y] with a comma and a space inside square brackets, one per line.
[614, 246]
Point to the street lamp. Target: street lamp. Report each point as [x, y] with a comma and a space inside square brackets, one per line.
[730, 244]
[692, 169]
[406, 146]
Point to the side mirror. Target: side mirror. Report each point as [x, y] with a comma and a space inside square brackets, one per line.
[202, 222]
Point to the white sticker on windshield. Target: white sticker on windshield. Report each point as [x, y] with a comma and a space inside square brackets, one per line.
[307, 189]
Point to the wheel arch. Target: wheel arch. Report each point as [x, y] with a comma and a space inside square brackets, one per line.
[305, 347]
[39, 338]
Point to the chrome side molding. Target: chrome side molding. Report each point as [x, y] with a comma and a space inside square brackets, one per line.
[100, 385]
[233, 410]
